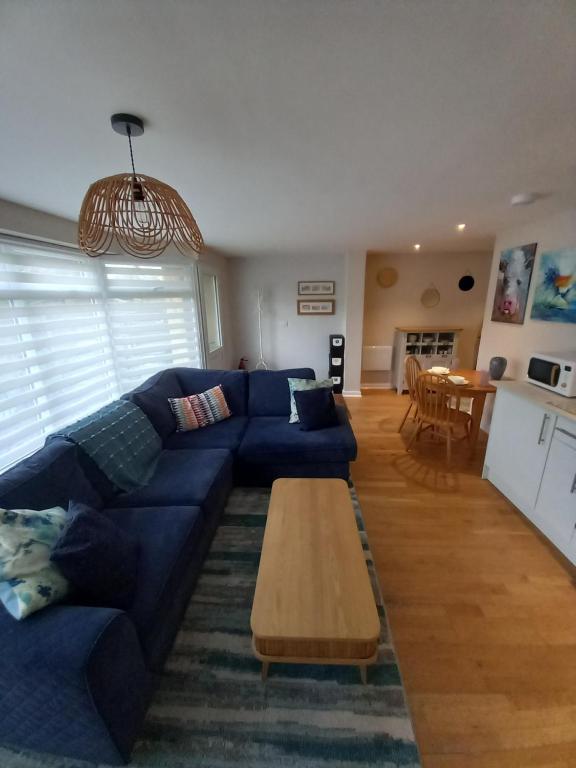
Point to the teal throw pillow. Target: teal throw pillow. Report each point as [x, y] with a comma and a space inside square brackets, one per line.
[299, 385]
[28, 580]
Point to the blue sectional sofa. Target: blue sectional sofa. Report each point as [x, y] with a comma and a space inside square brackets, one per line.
[76, 680]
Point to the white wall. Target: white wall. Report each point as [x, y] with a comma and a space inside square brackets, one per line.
[386, 308]
[289, 340]
[20, 220]
[518, 342]
[354, 307]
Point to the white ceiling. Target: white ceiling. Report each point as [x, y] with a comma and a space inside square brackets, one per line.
[298, 125]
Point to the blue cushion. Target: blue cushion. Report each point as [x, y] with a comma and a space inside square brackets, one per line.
[167, 538]
[98, 558]
[152, 397]
[268, 391]
[316, 409]
[272, 440]
[193, 381]
[224, 434]
[185, 478]
[49, 478]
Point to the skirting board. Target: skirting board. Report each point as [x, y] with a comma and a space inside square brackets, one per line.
[386, 385]
[352, 393]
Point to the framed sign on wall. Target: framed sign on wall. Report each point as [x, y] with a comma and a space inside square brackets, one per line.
[316, 287]
[316, 307]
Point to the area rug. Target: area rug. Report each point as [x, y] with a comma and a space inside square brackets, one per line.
[212, 709]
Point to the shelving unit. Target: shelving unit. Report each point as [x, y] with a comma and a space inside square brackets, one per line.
[432, 346]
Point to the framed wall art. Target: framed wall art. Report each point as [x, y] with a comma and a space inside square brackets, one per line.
[555, 295]
[514, 275]
[316, 307]
[316, 287]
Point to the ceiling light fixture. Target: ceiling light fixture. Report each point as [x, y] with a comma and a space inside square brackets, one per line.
[137, 213]
[524, 198]
[461, 227]
[416, 246]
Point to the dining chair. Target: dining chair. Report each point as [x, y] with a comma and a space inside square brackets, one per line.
[438, 402]
[412, 369]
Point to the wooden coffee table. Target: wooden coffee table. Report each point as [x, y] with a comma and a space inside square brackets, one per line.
[313, 603]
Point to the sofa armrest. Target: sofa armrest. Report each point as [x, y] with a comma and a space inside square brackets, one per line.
[72, 682]
[348, 436]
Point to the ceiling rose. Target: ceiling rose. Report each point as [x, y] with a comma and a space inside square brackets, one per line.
[137, 213]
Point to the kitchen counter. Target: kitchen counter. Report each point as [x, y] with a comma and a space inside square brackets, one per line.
[563, 406]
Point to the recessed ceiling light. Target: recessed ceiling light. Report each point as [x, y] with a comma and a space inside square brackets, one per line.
[416, 246]
[460, 227]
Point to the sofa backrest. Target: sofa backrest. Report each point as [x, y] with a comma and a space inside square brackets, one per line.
[51, 477]
[269, 393]
[152, 397]
[234, 385]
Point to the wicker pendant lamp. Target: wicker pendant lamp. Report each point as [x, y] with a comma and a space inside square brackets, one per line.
[139, 214]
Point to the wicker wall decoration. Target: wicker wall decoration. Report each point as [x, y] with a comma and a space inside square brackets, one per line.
[138, 214]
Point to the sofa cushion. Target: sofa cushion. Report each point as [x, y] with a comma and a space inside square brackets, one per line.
[98, 558]
[49, 478]
[234, 385]
[152, 397]
[302, 385]
[185, 478]
[224, 434]
[167, 538]
[316, 408]
[198, 411]
[268, 391]
[273, 440]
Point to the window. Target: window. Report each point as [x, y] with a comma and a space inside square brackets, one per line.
[211, 302]
[77, 332]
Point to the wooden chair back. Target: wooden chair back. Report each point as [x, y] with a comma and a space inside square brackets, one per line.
[412, 369]
[438, 399]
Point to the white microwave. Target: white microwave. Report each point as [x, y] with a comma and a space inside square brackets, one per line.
[556, 372]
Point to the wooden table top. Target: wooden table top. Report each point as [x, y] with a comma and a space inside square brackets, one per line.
[313, 582]
[479, 380]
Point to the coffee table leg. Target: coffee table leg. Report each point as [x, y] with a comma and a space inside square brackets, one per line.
[265, 667]
[364, 674]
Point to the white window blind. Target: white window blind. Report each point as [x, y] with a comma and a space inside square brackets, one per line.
[76, 332]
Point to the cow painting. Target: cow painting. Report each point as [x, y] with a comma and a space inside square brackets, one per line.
[514, 275]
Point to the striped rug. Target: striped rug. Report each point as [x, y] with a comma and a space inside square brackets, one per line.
[212, 710]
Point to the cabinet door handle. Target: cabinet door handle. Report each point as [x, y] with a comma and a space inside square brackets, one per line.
[573, 489]
[542, 435]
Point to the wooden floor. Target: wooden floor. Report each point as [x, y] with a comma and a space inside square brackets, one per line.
[483, 612]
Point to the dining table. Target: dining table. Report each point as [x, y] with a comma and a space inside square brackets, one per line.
[478, 387]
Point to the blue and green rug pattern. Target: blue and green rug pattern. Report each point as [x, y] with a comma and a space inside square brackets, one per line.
[212, 710]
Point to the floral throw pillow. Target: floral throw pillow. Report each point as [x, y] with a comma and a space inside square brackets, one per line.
[299, 385]
[28, 580]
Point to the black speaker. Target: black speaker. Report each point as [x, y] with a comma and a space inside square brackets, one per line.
[336, 362]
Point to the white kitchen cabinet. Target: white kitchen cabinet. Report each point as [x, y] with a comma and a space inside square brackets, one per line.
[555, 512]
[531, 458]
[431, 346]
[520, 436]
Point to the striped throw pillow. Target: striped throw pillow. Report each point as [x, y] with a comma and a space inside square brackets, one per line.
[196, 411]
